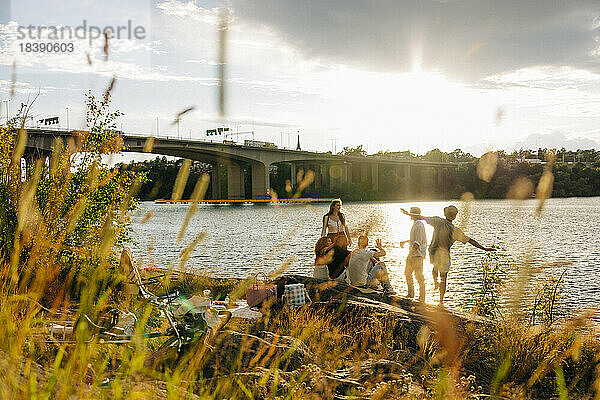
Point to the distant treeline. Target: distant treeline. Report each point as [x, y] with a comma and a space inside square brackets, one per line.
[161, 174]
[576, 174]
[568, 156]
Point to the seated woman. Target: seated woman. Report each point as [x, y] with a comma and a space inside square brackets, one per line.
[339, 261]
[323, 256]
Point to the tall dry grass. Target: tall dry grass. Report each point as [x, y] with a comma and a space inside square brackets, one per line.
[62, 228]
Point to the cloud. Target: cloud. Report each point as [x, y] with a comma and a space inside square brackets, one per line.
[555, 140]
[551, 92]
[128, 59]
[249, 121]
[23, 88]
[190, 10]
[203, 61]
[118, 46]
[464, 39]
[543, 77]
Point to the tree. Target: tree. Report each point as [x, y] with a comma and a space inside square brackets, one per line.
[434, 155]
[354, 151]
[70, 217]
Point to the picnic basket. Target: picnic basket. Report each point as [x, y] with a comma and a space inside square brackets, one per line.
[257, 293]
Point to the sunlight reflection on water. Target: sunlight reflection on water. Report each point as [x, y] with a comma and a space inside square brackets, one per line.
[243, 240]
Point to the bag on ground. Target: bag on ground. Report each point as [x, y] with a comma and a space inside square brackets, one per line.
[295, 295]
[257, 293]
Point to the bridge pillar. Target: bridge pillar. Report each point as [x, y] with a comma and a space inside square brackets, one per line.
[438, 180]
[325, 178]
[293, 176]
[338, 174]
[261, 180]
[375, 177]
[407, 189]
[364, 173]
[235, 182]
[215, 181]
[316, 184]
[346, 172]
[443, 175]
[318, 178]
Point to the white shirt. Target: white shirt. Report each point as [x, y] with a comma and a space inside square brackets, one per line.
[334, 226]
[357, 266]
[418, 235]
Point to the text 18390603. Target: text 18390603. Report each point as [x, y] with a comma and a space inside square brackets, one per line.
[46, 47]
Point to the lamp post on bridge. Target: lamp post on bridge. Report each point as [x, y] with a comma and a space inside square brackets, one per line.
[7, 109]
[334, 145]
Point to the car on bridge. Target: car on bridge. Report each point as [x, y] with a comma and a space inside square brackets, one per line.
[258, 143]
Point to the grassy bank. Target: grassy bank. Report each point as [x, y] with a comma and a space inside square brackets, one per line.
[330, 348]
[63, 228]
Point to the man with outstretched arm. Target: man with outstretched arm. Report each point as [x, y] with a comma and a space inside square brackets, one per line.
[444, 236]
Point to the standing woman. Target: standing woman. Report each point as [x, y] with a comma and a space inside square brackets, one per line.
[334, 222]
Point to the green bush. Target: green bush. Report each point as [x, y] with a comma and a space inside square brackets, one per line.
[62, 227]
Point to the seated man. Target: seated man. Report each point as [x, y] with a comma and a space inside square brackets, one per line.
[365, 270]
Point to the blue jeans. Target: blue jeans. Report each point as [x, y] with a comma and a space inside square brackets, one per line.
[377, 273]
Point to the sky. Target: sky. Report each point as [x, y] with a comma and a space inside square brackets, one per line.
[389, 75]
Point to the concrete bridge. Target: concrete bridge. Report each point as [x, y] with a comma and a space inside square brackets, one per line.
[330, 170]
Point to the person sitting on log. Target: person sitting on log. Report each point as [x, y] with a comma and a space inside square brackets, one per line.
[364, 270]
[323, 256]
[339, 261]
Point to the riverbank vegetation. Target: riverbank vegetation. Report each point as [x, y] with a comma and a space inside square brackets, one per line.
[576, 174]
[63, 225]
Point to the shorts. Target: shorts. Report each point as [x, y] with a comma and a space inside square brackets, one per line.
[441, 260]
[442, 268]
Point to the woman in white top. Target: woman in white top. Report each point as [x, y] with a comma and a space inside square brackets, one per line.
[334, 222]
[323, 256]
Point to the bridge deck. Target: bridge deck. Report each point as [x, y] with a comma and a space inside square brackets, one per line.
[241, 201]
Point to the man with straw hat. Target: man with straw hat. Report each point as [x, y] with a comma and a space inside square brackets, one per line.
[444, 236]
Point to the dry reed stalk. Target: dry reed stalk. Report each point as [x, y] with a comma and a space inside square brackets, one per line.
[181, 180]
[197, 196]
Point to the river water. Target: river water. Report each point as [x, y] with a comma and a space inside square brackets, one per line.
[240, 241]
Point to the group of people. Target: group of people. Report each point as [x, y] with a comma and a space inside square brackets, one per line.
[363, 268]
[360, 267]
